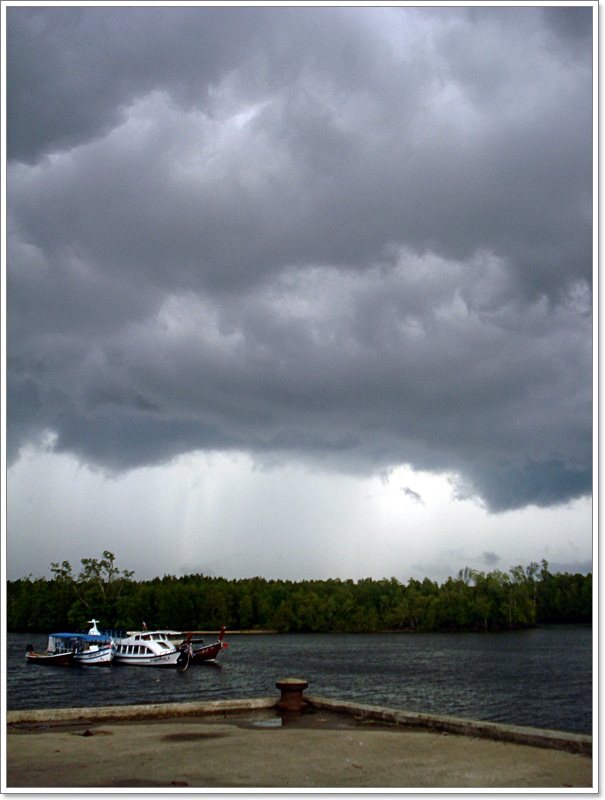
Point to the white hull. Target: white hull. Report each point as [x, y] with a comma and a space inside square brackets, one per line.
[101, 657]
[168, 660]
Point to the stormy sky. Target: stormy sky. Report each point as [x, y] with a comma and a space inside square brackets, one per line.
[299, 291]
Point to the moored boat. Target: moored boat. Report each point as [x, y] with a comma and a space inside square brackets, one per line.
[86, 649]
[146, 649]
[196, 652]
[49, 659]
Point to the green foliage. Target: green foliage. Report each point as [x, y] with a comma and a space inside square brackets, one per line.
[473, 600]
[97, 589]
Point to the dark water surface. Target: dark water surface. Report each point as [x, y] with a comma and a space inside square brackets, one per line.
[541, 678]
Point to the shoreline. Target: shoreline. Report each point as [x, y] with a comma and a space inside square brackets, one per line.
[248, 744]
[461, 726]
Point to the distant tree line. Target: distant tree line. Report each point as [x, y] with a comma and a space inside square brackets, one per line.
[522, 597]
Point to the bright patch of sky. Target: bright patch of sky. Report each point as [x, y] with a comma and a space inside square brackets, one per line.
[222, 515]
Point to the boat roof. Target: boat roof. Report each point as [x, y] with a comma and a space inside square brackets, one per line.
[147, 636]
[84, 637]
[164, 632]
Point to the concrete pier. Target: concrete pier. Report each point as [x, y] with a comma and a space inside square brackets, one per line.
[249, 743]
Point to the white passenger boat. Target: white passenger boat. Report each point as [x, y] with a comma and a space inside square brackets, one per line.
[89, 649]
[146, 649]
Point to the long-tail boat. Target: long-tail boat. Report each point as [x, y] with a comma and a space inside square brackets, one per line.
[194, 651]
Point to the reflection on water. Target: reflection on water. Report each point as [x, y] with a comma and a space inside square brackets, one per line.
[540, 677]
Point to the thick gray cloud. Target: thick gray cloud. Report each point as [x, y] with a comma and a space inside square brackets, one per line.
[355, 235]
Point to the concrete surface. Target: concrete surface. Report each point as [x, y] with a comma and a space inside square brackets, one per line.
[518, 734]
[246, 744]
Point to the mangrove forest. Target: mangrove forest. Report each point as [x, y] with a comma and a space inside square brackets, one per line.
[472, 601]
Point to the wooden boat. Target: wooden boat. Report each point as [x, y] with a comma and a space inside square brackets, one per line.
[48, 659]
[196, 652]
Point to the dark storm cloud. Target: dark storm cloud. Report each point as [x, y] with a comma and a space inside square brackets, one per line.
[353, 234]
[74, 71]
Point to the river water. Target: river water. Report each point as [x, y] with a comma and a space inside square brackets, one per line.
[540, 678]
